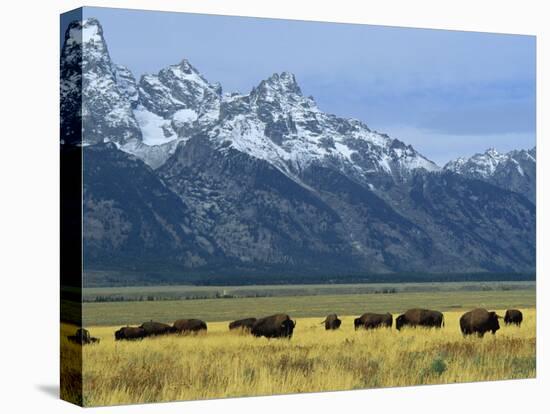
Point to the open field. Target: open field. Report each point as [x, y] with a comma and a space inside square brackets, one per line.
[228, 364]
[447, 297]
[192, 292]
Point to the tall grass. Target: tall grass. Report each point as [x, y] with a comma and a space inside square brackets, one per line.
[228, 364]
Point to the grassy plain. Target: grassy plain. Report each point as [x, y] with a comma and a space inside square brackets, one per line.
[211, 310]
[228, 364]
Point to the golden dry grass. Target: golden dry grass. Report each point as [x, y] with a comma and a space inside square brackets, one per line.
[227, 364]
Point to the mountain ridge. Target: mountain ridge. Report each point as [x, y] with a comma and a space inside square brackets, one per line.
[267, 183]
[514, 170]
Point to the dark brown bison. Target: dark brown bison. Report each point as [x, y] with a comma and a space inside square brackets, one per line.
[332, 322]
[420, 317]
[152, 328]
[189, 325]
[479, 321]
[274, 326]
[244, 324]
[130, 333]
[82, 337]
[513, 316]
[373, 320]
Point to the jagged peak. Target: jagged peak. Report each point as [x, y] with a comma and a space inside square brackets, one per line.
[184, 70]
[487, 163]
[492, 152]
[282, 83]
[87, 30]
[186, 66]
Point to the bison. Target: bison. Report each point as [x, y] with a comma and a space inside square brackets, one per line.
[274, 326]
[420, 317]
[513, 316]
[189, 325]
[244, 324]
[332, 322]
[479, 321]
[130, 333]
[152, 328]
[82, 337]
[373, 320]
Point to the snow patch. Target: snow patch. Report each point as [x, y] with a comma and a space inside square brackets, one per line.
[184, 116]
[91, 33]
[155, 129]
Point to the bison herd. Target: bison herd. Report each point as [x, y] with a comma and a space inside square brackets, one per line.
[478, 321]
[151, 328]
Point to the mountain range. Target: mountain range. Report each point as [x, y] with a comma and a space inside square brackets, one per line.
[181, 177]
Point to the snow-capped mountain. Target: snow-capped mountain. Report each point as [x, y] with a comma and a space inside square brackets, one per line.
[274, 122]
[89, 77]
[199, 181]
[515, 170]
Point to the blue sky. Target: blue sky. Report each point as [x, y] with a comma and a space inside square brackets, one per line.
[447, 93]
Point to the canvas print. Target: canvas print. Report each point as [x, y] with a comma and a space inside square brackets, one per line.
[261, 206]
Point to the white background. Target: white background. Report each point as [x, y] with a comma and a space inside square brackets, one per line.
[29, 194]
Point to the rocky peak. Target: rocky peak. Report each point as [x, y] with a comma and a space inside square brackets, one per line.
[515, 170]
[126, 83]
[186, 67]
[284, 82]
[88, 80]
[277, 87]
[178, 87]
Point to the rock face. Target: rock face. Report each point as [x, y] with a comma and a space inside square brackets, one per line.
[129, 214]
[515, 170]
[88, 76]
[179, 175]
[255, 213]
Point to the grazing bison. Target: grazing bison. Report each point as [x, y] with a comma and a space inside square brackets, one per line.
[332, 322]
[479, 321]
[189, 325]
[152, 328]
[373, 320]
[82, 337]
[244, 324]
[274, 326]
[513, 316]
[420, 317]
[130, 333]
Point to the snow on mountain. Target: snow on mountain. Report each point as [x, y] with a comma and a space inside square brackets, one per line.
[267, 178]
[274, 122]
[479, 165]
[180, 90]
[155, 129]
[126, 84]
[277, 123]
[106, 113]
[515, 170]
[176, 87]
[485, 165]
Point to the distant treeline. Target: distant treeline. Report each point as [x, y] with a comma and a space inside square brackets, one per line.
[381, 278]
[217, 295]
[103, 278]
